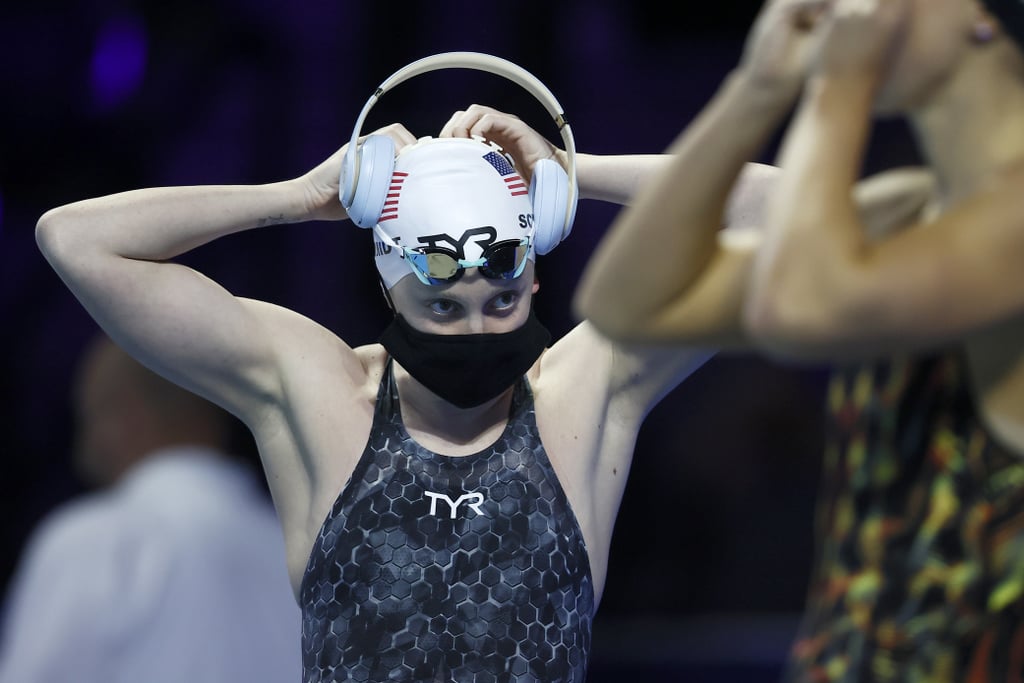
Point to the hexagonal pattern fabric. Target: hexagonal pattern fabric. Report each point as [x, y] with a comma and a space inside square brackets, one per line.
[454, 569]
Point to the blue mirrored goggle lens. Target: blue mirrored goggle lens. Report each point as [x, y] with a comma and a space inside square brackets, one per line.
[503, 260]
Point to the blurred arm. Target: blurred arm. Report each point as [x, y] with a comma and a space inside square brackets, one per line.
[663, 271]
[825, 286]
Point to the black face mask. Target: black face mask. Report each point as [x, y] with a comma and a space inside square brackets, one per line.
[466, 370]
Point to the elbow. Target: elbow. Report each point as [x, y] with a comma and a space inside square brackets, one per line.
[67, 245]
[795, 322]
[602, 318]
[65, 239]
[579, 309]
[52, 235]
[768, 317]
[586, 303]
[585, 306]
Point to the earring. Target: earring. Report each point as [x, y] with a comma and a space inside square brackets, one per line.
[983, 32]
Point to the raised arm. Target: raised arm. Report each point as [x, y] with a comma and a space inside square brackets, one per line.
[113, 253]
[610, 178]
[666, 271]
[823, 287]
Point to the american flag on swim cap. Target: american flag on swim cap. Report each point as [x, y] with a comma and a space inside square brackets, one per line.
[391, 203]
[512, 179]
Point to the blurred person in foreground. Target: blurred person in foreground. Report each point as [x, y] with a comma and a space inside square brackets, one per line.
[172, 569]
[907, 283]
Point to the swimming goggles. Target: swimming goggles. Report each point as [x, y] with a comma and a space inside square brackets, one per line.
[504, 260]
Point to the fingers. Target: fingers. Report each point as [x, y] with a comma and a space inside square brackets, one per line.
[847, 10]
[884, 11]
[797, 7]
[398, 133]
[476, 120]
[856, 7]
[805, 18]
[868, 9]
[806, 15]
[806, 5]
[861, 38]
[455, 127]
[509, 132]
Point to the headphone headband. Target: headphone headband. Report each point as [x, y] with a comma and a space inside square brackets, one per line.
[480, 62]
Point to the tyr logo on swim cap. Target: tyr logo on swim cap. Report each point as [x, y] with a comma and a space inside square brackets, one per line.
[455, 193]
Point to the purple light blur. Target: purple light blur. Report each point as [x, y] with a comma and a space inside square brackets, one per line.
[118, 62]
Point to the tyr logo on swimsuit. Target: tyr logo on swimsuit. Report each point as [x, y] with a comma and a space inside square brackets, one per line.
[473, 500]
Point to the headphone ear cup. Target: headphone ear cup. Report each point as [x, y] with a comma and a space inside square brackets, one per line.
[549, 195]
[376, 163]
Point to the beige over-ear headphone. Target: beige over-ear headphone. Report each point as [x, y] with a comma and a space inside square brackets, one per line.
[368, 165]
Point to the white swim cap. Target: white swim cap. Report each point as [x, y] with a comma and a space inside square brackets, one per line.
[456, 193]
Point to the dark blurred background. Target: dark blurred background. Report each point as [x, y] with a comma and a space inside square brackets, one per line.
[712, 550]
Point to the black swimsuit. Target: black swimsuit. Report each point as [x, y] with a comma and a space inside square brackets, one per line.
[438, 568]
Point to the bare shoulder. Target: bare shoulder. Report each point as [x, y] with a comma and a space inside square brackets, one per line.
[580, 355]
[312, 357]
[373, 360]
[587, 368]
[312, 433]
[570, 383]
